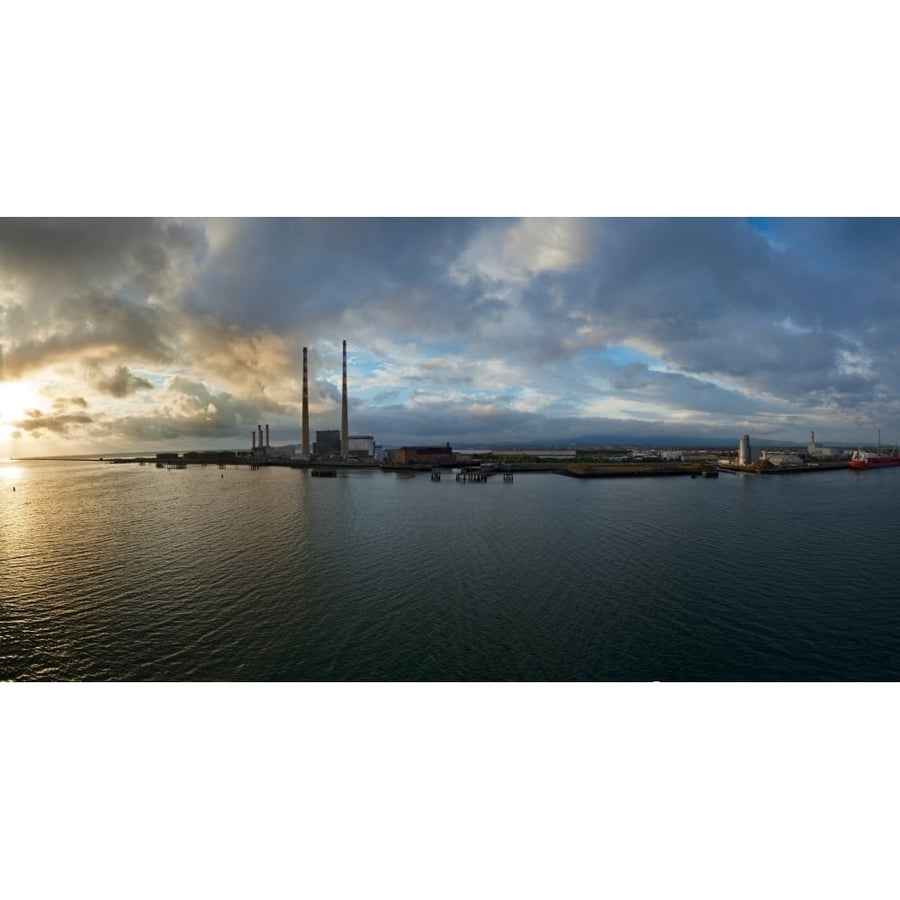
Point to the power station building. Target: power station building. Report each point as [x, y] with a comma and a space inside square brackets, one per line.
[261, 449]
[328, 443]
[332, 443]
[361, 446]
[338, 444]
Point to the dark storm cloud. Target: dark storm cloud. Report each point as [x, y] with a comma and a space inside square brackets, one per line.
[668, 281]
[78, 289]
[717, 298]
[68, 254]
[309, 273]
[87, 326]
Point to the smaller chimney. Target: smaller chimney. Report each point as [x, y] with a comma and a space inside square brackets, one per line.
[253, 436]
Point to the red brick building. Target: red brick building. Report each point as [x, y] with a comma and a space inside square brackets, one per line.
[424, 456]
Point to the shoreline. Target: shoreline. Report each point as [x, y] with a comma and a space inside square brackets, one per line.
[570, 470]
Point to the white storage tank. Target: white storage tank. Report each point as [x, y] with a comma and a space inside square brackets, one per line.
[744, 450]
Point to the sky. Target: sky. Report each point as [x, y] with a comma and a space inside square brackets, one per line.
[151, 334]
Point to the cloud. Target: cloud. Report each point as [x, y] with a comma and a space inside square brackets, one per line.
[60, 403]
[309, 274]
[188, 407]
[514, 252]
[191, 330]
[120, 383]
[53, 257]
[97, 290]
[62, 424]
[97, 328]
[255, 363]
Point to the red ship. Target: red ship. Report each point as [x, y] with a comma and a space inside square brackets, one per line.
[861, 459]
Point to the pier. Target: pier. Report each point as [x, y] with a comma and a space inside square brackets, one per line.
[476, 476]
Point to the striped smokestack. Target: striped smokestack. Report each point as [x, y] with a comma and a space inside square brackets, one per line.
[304, 421]
[345, 431]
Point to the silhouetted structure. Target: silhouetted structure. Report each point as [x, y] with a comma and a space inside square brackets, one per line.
[304, 420]
[328, 443]
[345, 430]
[418, 456]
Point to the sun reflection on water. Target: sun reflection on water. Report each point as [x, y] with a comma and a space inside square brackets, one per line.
[10, 470]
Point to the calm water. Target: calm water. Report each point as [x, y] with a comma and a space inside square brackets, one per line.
[129, 572]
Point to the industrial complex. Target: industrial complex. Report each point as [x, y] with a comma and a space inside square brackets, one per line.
[337, 447]
[769, 462]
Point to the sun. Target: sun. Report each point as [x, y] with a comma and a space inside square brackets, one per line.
[15, 398]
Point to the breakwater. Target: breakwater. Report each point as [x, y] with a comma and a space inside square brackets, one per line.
[642, 469]
[757, 469]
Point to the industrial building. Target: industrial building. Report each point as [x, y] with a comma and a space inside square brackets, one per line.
[361, 446]
[420, 456]
[782, 458]
[338, 444]
[817, 452]
[259, 448]
[327, 444]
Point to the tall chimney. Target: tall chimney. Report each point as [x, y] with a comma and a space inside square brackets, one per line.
[345, 431]
[253, 435]
[260, 443]
[267, 438]
[304, 421]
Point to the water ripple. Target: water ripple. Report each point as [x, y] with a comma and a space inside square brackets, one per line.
[123, 572]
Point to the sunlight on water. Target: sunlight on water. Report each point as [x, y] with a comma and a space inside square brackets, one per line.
[10, 470]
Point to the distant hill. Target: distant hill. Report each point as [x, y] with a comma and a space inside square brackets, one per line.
[645, 441]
